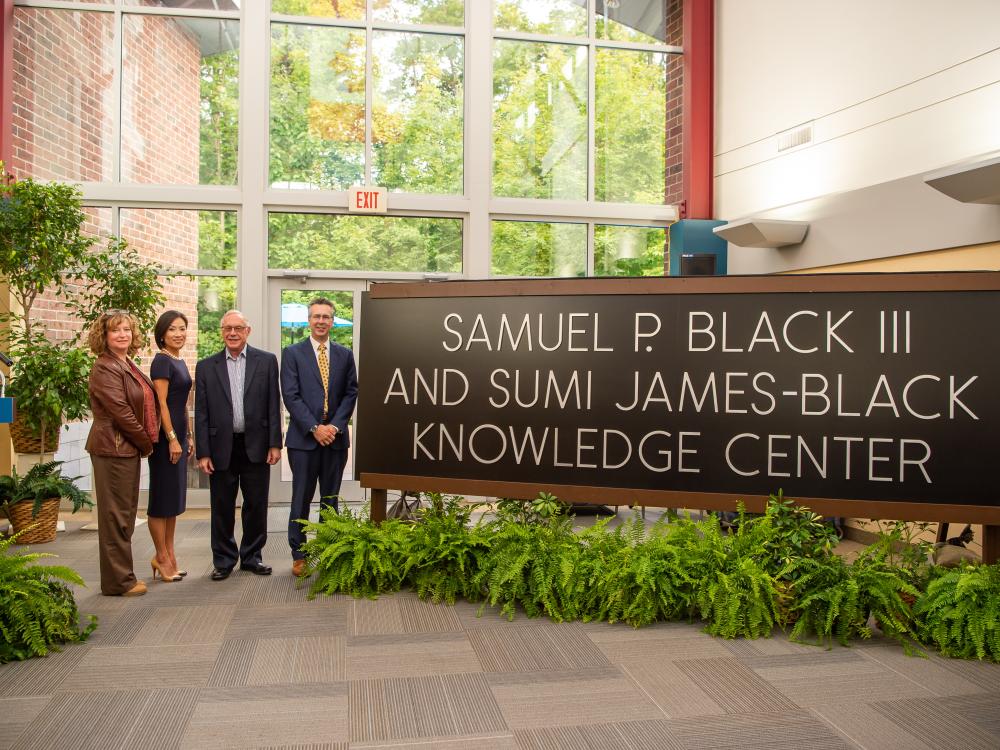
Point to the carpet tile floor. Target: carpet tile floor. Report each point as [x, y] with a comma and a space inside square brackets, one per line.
[252, 663]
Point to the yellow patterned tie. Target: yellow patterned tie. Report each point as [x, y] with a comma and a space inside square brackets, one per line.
[324, 374]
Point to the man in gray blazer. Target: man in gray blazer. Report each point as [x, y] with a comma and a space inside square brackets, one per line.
[319, 384]
[237, 426]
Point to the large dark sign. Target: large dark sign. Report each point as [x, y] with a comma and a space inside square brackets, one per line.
[855, 387]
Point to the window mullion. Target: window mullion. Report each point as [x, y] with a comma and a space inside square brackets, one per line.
[369, 94]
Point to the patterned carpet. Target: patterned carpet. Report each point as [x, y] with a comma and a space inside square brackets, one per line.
[251, 663]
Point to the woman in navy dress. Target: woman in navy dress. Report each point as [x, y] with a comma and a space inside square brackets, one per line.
[168, 462]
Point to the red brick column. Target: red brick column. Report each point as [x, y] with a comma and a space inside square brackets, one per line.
[699, 122]
[6, 80]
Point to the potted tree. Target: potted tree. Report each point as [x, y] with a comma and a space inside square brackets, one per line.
[31, 502]
[49, 385]
[42, 246]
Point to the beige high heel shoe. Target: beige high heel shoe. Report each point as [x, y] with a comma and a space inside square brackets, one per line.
[155, 565]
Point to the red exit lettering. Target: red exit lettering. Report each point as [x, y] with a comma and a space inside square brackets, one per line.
[367, 200]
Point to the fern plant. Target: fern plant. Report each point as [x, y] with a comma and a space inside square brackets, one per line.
[42, 482]
[37, 608]
[834, 600]
[960, 613]
[443, 553]
[351, 555]
[735, 593]
[628, 575]
[530, 564]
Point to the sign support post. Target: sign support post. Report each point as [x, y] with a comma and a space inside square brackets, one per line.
[991, 544]
[380, 498]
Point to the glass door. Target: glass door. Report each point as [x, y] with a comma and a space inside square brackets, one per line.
[288, 312]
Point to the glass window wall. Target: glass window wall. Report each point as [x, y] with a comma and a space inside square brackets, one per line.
[352, 10]
[418, 118]
[435, 12]
[630, 126]
[317, 106]
[539, 120]
[557, 17]
[342, 242]
[538, 248]
[629, 251]
[189, 241]
[180, 100]
[585, 109]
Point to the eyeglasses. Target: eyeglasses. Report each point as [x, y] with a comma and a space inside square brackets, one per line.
[233, 329]
[113, 312]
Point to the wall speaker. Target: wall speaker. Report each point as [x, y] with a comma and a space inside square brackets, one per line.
[698, 264]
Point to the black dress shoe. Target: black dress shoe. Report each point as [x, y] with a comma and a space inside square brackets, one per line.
[259, 568]
[221, 574]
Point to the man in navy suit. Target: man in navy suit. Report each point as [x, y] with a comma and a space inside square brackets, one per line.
[237, 422]
[319, 384]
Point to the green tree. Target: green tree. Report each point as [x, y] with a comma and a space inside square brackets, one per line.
[317, 106]
[630, 126]
[418, 117]
[220, 108]
[539, 120]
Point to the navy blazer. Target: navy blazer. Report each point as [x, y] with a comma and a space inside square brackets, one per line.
[302, 391]
[213, 408]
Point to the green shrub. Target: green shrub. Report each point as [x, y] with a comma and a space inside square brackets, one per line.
[443, 553]
[795, 532]
[628, 575]
[960, 613]
[833, 600]
[901, 544]
[735, 593]
[37, 608]
[531, 565]
[351, 555]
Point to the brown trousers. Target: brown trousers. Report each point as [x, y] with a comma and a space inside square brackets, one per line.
[116, 485]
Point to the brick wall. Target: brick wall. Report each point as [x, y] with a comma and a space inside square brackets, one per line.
[161, 96]
[63, 105]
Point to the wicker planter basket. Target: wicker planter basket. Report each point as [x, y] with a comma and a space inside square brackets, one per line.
[26, 441]
[45, 530]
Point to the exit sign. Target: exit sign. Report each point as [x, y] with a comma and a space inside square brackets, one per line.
[368, 200]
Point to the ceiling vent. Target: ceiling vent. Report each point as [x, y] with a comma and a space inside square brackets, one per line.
[797, 136]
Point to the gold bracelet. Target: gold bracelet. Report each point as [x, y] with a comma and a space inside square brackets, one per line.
[171, 435]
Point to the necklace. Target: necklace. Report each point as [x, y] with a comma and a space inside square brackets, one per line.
[169, 354]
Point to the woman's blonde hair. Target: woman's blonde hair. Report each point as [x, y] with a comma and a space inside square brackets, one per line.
[98, 336]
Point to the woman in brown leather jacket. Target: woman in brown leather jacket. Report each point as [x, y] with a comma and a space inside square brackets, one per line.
[126, 423]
